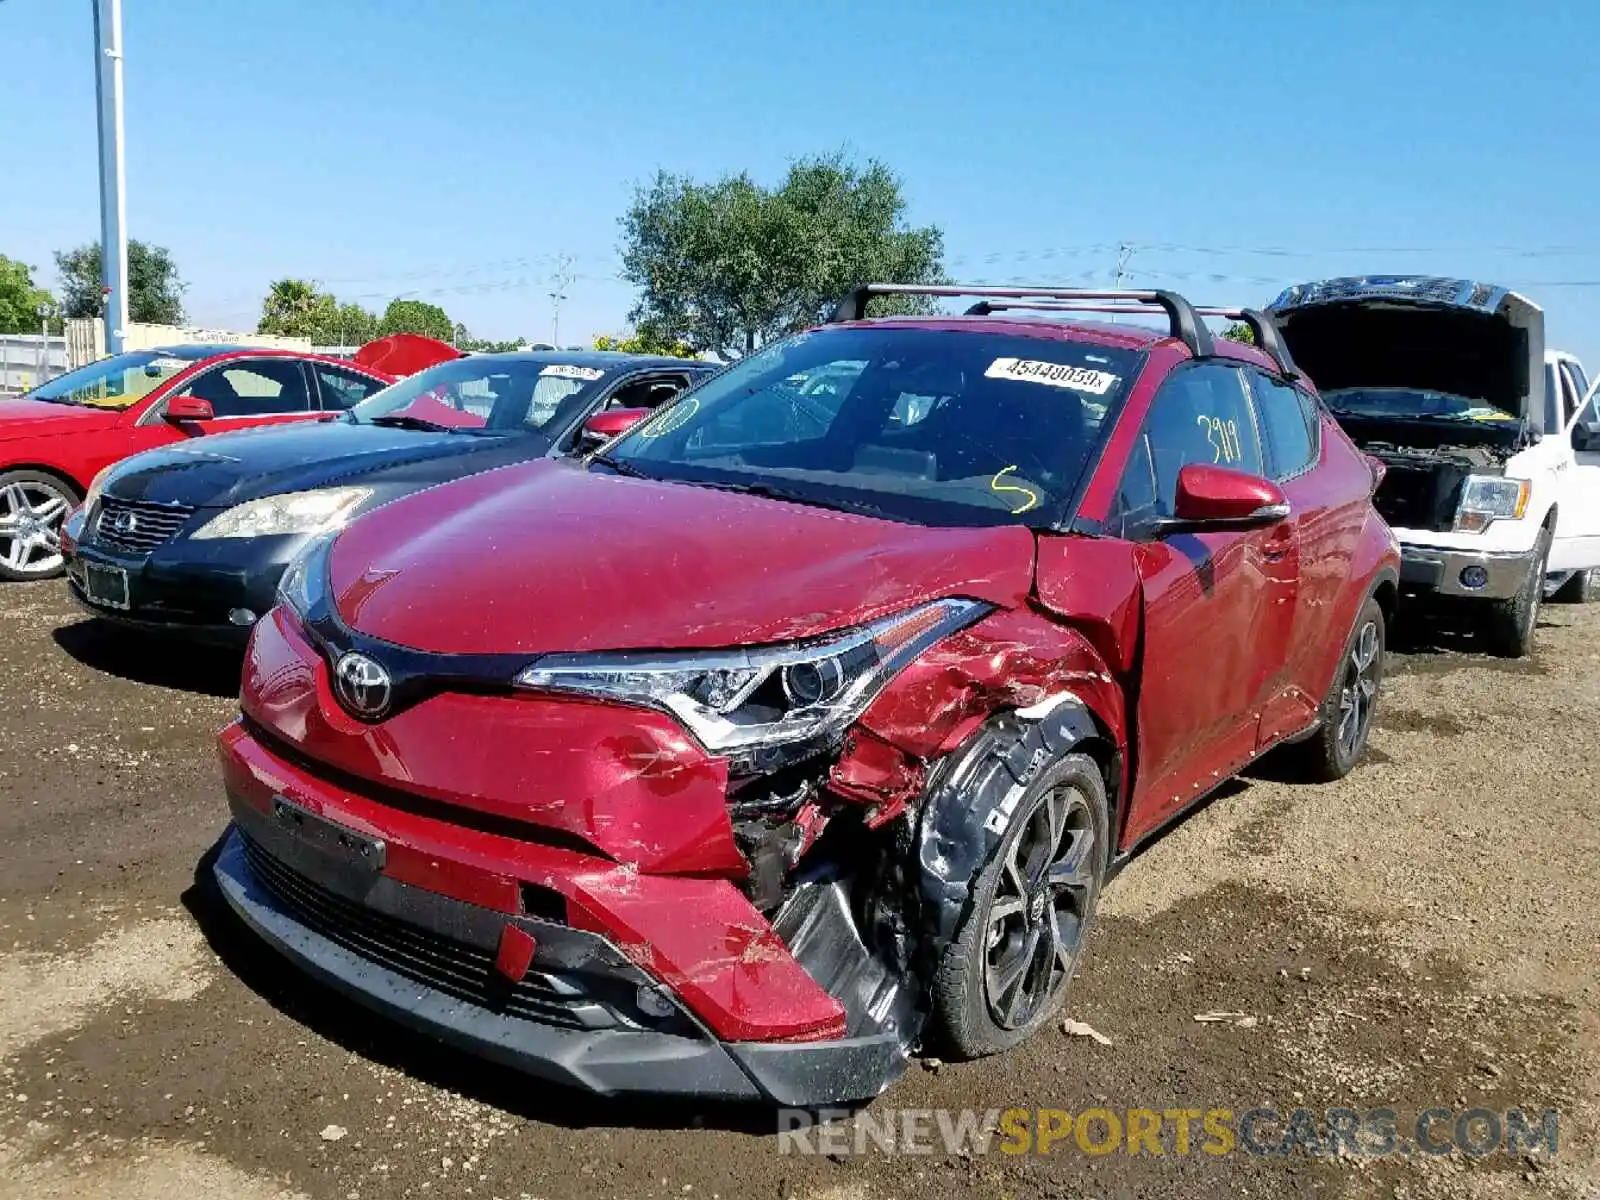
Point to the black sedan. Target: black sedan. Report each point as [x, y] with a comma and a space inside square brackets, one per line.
[193, 538]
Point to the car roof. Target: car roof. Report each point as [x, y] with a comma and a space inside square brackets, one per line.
[605, 360]
[1141, 338]
[199, 350]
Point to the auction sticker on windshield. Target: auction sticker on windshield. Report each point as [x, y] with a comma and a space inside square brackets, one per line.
[568, 371]
[1078, 379]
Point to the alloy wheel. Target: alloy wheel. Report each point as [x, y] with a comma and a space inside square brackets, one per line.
[31, 512]
[1359, 690]
[1041, 903]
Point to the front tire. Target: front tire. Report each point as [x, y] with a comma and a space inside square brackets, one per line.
[1508, 625]
[32, 507]
[1006, 973]
[1345, 715]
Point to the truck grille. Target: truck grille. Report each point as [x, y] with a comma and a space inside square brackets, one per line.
[138, 526]
[438, 962]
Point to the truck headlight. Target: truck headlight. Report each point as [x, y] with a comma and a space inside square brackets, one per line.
[762, 706]
[1489, 498]
[292, 512]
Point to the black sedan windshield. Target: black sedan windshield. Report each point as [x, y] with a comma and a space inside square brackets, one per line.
[931, 426]
[486, 393]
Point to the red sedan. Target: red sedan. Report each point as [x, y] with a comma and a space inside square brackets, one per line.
[58, 437]
[802, 724]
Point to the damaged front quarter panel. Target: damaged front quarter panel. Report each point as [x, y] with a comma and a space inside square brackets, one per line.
[1010, 660]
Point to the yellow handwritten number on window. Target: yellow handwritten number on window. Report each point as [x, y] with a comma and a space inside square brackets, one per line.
[999, 486]
[1223, 437]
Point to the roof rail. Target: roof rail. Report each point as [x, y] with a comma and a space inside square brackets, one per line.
[1183, 320]
[1266, 334]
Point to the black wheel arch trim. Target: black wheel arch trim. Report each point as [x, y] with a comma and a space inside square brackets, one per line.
[975, 790]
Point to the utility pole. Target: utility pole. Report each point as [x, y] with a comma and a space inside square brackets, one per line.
[113, 177]
[560, 280]
[1124, 253]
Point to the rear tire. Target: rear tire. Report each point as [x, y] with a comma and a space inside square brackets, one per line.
[1345, 715]
[1578, 589]
[33, 505]
[1006, 974]
[1509, 625]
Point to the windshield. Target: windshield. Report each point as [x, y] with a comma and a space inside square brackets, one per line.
[1411, 403]
[117, 382]
[485, 394]
[936, 427]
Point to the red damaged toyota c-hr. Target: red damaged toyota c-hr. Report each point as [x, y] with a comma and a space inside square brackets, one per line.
[802, 724]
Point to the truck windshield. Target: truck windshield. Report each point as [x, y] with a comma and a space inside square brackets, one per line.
[937, 427]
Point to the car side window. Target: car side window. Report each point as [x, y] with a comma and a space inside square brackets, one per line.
[253, 388]
[1201, 414]
[1573, 390]
[344, 389]
[649, 391]
[1288, 432]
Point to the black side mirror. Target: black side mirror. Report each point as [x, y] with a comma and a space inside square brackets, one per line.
[1586, 435]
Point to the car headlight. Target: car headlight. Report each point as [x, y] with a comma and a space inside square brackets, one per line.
[292, 512]
[304, 583]
[1489, 498]
[763, 706]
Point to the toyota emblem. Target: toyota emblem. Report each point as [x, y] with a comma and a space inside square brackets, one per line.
[363, 685]
[126, 522]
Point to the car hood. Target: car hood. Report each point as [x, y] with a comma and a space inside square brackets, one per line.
[39, 418]
[234, 467]
[551, 557]
[1447, 335]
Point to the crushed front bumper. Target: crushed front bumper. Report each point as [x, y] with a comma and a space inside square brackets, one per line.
[585, 1014]
[1433, 570]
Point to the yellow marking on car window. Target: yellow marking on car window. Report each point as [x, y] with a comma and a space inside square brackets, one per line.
[672, 419]
[999, 486]
[1223, 437]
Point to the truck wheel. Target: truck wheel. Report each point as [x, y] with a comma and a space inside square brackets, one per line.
[1345, 715]
[1006, 973]
[1578, 589]
[1508, 625]
[32, 507]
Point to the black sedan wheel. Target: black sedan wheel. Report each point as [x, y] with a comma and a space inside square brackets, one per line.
[1007, 973]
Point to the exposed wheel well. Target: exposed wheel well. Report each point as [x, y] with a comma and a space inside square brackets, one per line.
[78, 489]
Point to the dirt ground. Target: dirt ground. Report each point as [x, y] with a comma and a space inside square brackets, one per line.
[1425, 933]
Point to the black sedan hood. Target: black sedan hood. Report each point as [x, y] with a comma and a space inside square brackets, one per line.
[230, 468]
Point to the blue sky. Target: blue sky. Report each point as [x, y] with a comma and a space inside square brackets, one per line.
[454, 148]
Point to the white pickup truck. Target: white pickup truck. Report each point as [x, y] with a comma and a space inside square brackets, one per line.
[1491, 445]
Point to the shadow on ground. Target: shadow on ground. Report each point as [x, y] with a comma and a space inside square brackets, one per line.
[151, 658]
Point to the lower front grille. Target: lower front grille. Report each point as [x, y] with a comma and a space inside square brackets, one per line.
[456, 968]
[139, 526]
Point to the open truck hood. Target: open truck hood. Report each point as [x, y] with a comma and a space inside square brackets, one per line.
[1469, 339]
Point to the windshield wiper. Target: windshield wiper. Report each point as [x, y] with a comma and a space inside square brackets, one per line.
[620, 466]
[767, 492]
[400, 421]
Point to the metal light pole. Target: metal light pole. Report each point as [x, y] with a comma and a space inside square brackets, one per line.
[113, 178]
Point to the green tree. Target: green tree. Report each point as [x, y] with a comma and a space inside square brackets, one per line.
[1240, 332]
[155, 293]
[20, 299]
[726, 266]
[464, 340]
[644, 342]
[416, 316]
[295, 308]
